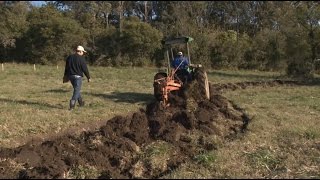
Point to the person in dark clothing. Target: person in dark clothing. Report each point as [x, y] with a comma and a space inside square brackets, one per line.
[74, 70]
[182, 64]
[180, 59]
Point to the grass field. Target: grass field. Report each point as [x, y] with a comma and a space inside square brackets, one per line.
[282, 141]
[37, 102]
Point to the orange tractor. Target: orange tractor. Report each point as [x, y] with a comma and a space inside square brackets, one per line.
[169, 82]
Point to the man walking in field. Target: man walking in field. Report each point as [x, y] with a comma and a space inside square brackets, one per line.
[74, 70]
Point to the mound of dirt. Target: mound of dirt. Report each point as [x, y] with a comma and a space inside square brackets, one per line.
[146, 144]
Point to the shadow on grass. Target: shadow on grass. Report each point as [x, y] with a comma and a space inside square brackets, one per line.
[58, 91]
[128, 97]
[250, 76]
[315, 81]
[31, 103]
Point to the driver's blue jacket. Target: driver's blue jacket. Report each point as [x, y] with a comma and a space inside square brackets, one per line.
[185, 62]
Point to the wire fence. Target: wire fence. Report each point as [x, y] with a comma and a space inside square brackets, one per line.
[34, 66]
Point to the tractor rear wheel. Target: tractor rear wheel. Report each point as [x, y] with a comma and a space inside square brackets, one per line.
[158, 85]
[202, 79]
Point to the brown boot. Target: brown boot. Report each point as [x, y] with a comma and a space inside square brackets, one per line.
[81, 102]
[72, 104]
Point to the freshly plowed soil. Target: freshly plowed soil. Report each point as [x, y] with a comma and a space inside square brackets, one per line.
[146, 144]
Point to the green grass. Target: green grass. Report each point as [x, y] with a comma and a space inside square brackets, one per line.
[206, 159]
[82, 172]
[37, 102]
[282, 141]
[223, 76]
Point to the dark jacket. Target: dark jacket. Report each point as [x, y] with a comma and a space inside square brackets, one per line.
[180, 59]
[76, 65]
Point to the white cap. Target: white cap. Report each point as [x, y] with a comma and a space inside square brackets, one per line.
[80, 48]
[180, 53]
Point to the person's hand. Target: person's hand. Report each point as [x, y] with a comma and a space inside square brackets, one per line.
[89, 80]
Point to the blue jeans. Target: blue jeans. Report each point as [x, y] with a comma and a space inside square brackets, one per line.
[76, 82]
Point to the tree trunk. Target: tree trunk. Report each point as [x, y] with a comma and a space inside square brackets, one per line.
[145, 11]
[120, 15]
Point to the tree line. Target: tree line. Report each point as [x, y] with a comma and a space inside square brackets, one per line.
[261, 35]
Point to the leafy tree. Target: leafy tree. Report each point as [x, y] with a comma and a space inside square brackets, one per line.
[308, 16]
[139, 41]
[108, 47]
[267, 51]
[93, 16]
[13, 24]
[201, 48]
[229, 50]
[299, 25]
[52, 36]
[265, 35]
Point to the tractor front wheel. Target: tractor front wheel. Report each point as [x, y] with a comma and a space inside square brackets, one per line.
[202, 79]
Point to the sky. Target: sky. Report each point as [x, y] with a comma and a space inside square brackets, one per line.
[38, 3]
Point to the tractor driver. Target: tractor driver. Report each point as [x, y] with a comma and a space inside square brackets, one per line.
[182, 64]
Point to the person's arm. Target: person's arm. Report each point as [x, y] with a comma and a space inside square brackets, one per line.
[85, 69]
[66, 66]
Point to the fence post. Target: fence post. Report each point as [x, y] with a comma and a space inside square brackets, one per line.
[34, 67]
[2, 68]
